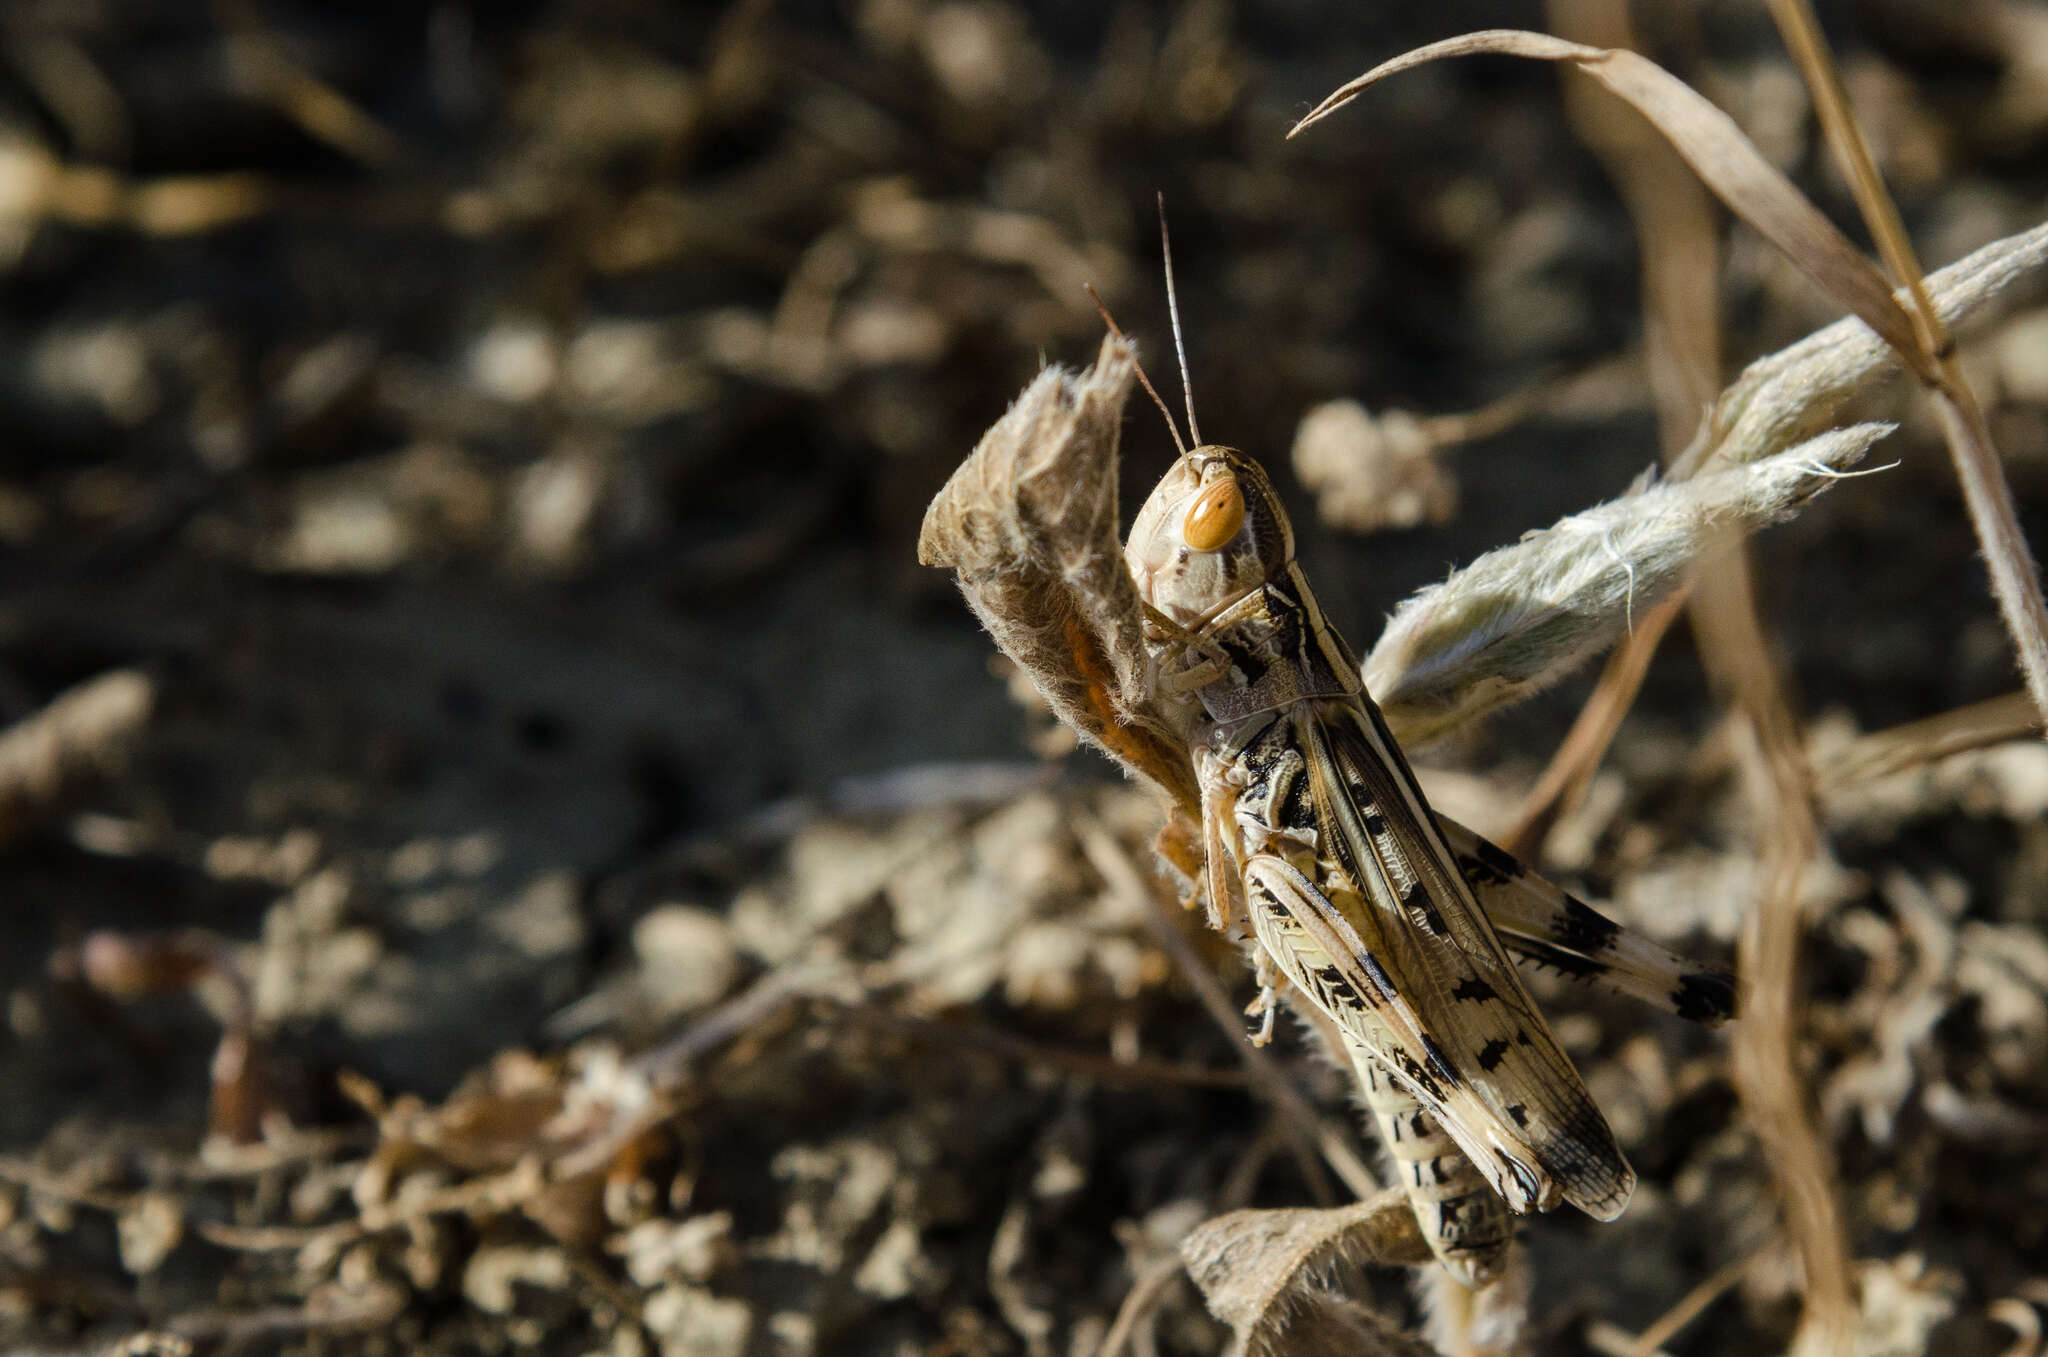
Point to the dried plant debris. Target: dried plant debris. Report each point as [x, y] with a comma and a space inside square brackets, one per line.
[1265, 1272]
[86, 732]
[1029, 526]
[1371, 472]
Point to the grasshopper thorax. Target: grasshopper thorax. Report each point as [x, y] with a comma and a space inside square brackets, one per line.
[1210, 533]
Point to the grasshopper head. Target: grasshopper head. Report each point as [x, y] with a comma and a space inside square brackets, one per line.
[1210, 533]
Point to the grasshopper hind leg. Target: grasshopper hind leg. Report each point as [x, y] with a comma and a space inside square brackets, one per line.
[1467, 1225]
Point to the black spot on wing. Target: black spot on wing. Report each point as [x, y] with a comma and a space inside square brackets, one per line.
[1477, 873]
[1705, 996]
[1520, 1113]
[1490, 864]
[1424, 1082]
[1246, 661]
[1568, 964]
[1475, 989]
[1491, 1054]
[1298, 811]
[1374, 822]
[1584, 929]
[1423, 910]
[1339, 988]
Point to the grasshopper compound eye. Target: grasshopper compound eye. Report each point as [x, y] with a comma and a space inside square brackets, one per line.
[1216, 517]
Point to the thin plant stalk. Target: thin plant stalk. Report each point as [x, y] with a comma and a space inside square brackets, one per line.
[2015, 578]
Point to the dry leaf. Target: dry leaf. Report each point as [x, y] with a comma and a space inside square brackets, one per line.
[1325, 1324]
[1029, 525]
[1256, 1268]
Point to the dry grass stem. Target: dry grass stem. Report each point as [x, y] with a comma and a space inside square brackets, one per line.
[2015, 578]
[1786, 396]
[1680, 247]
[1521, 617]
[1139, 1304]
[1711, 143]
[1690, 1307]
[1767, 1074]
[1915, 744]
[1563, 782]
[1677, 236]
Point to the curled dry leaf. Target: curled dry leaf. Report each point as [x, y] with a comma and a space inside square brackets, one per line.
[1029, 525]
[1519, 618]
[1326, 1324]
[1258, 1270]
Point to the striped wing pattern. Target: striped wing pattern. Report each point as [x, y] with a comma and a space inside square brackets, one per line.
[1547, 928]
[1392, 920]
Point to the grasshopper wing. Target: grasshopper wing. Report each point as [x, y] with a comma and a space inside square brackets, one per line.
[1546, 927]
[1388, 939]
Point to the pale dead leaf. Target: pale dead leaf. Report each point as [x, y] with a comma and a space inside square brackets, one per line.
[1258, 1269]
[1029, 525]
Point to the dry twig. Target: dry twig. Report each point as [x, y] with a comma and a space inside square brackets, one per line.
[2015, 578]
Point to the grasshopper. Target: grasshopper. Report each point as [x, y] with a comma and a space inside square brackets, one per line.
[1321, 849]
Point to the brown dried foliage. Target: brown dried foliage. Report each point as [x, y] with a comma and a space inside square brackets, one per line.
[1028, 524]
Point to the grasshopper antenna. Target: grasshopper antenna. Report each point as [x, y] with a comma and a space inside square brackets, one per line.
[1150, 390]
[1187, 388]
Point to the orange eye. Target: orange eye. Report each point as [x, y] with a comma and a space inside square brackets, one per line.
[1216, 517]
